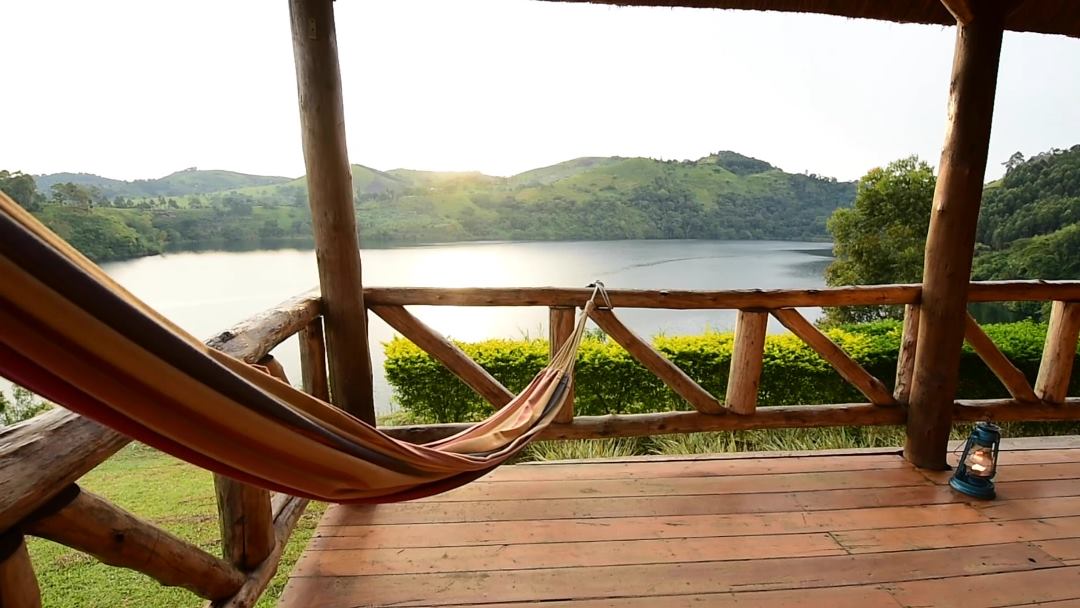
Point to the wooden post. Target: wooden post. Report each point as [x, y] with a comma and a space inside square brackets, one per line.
[560, 325]
[1055, 370]
[313, 360]
[329, 181]
[18, 585]
[951, 240]
[905, 362]
[247, 525]
[746, 362]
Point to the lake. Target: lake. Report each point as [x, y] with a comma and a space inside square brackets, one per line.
[206, 292]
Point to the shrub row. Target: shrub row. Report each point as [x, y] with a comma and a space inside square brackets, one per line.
[609, 380]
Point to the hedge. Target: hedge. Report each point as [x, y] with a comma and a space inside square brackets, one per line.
[609, 381]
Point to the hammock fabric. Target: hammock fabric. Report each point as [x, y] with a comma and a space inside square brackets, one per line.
[71, 334]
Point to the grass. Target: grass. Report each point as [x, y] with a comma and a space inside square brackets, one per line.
[802, 439]
[170, 493]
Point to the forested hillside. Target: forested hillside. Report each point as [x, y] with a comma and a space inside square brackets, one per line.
[725, 195]
[1030, 220]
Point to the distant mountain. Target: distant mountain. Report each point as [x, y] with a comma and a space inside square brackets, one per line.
[180, 183]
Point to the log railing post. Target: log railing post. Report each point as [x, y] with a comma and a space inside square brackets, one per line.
[247, 533]
[18, 585]
[905, 360]
[951, 240]
[244, 514]
[1055, 370]
[313, 360]
[560, 325]
[330, 194]
[746, 361]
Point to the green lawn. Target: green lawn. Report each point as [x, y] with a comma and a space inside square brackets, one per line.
[172, 494]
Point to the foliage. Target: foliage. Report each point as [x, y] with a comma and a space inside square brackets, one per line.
[169, 493]
[1029, 226]
[1036, 197]
[765, 440]
[585, 449]
[104, 234]
[23, 405]
[725, 195]
[882, 237]
[609, 380]
[21, 188]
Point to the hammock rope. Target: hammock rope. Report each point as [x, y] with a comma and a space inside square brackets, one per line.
[74, 336]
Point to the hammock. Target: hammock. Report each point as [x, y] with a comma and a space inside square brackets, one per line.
[71, 334]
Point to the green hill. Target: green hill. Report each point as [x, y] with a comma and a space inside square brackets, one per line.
[1029, 224]
[180, 183]
[724, 195]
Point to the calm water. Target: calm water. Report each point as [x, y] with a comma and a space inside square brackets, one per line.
[206, 292]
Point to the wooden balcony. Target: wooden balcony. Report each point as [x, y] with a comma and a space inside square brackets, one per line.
[860, 529]
[606, 533]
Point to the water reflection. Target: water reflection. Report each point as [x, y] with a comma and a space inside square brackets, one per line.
[206, 292]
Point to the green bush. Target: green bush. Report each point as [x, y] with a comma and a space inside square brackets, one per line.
[609, 380]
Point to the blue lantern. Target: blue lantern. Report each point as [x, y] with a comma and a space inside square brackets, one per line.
[975, 472]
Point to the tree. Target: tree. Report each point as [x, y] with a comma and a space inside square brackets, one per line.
[21, 188]
[25, 405]
[68, 193]
[1014, 161]
[882, 237]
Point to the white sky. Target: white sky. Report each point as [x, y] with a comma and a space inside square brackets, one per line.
[137, 89]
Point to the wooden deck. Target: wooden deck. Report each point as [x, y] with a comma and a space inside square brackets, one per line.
[850, 529]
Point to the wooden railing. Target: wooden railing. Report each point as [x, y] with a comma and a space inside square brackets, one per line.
[42, 459]
[738, 410]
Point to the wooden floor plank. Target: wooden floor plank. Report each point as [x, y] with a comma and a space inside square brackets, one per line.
[842, 531]
[965, 535]
[991, 590]
[1033, 508]
[833, 597]
[629, 528]
[357, 562]
[657, 506]
[664, 579]
[683, 486]
[1065, 549]
[1022, 472]
[700, 468]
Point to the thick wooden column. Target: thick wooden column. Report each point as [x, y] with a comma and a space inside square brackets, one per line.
[951, 239]
[329, 180]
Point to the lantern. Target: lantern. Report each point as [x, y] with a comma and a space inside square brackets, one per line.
[975, 472]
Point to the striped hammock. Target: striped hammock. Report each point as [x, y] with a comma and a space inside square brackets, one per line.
[71, 334]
